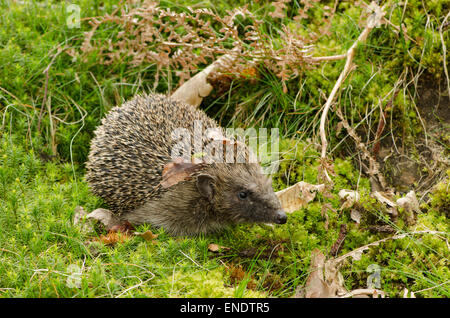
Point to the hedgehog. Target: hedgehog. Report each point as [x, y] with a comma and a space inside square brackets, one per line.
[131, 166]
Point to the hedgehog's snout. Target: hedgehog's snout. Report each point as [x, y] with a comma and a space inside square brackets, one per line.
[280, 217]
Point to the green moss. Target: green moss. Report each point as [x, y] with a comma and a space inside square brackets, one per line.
[204, 284]
[39, 193]
[440, 197]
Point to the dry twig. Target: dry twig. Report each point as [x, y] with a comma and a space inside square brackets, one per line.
[372, 21]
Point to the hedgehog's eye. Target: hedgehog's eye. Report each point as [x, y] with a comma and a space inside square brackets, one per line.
[242, 194]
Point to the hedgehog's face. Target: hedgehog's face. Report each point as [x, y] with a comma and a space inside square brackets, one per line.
[243, 194]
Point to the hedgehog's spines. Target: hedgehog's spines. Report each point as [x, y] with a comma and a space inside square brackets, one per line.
[134, 143]
[125, 167]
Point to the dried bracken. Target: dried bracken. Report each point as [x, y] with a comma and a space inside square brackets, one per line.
[184, 41]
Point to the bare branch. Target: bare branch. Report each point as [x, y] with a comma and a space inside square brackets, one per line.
[372, 22]
[328, 58]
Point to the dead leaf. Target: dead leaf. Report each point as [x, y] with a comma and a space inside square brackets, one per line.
[79, 215]
[339, 128]
[279, 9]
[355, 215]
[105, 217]
[323, 212]
[299, 195]
[409, 202]
[147, 235]
[350, 197]
[376, 14]
[382, 197]
[364, 293]
[215, 248]
[325, 279]
[177, 171]
[316, 285]
[112, 238]
[237, 275]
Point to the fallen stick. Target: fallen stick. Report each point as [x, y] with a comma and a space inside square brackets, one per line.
[328, 58]
[373, 21]
[356, 253]
[357, 292]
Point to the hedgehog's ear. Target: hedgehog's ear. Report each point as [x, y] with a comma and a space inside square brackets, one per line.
[205, 185]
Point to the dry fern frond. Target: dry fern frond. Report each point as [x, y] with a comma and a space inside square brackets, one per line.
[186, 41]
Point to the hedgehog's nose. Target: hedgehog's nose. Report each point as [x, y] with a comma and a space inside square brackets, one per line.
[280, 217]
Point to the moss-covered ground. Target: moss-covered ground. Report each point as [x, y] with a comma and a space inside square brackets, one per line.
[42, 161]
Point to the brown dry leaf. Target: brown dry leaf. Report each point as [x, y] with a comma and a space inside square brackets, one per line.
[147, 235]
[355, 215]
[384, 197]
[106, 217]
[323, 281]
[177, 171]
[409, 202]
[339, 128]
[215, 248]
[350, 197]
[364, 293]
[112, 238]
[298, 195]
[237, 275]
[376, 14]
[315, 284]
[279, 9]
